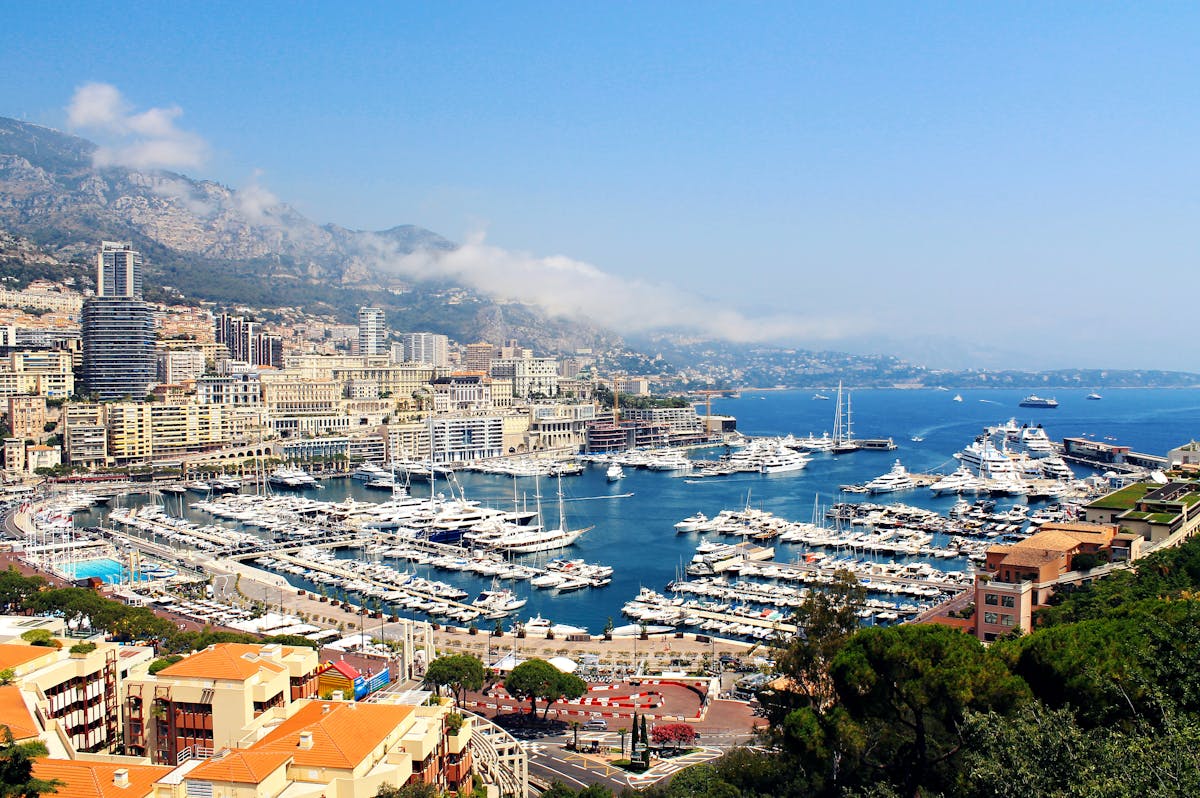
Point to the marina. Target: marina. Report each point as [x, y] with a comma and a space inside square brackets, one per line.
[636, 519]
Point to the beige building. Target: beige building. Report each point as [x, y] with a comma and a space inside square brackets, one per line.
[40, 373]
[78, 693]
[42, 295]
[221, 697]
[27, 416]
[138, 432]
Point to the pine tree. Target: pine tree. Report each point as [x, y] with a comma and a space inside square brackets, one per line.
[633, 740]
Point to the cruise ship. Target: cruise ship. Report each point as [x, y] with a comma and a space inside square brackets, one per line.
[892, 481]
[1033, 400]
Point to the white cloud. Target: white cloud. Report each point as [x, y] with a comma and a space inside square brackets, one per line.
[149, 139]
[255, 201]
[563, 286]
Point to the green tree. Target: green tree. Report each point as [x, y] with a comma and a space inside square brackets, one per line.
[16, 768]
[908, 689]
[826, 619]
[16, 589]
[460, 672]
[536, 678]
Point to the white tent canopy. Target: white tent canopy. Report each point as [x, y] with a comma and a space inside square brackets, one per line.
[563, 664]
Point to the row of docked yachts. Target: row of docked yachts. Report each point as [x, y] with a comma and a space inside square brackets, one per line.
[746, 592]
[152, 519]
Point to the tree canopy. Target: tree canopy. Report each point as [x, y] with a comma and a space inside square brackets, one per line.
[536, 678]
[459, 672]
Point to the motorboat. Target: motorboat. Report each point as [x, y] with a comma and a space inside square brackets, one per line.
[614, 472]
[896, 479]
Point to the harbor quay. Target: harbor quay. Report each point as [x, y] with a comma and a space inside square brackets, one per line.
[622, 654]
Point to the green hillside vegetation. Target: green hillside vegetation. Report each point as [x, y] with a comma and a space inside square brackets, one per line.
[1101, 699]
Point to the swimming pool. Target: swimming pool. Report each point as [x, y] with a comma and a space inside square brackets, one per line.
[104, 568]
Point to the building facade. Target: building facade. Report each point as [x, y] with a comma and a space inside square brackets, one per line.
[372, 332]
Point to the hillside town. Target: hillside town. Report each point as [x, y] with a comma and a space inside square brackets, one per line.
[106, 381]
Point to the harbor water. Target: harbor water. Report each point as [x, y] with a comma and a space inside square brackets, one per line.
[635, 533]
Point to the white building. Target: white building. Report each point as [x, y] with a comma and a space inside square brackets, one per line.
[372, 332]
[464, 438]
[178, 365]
[423, 347]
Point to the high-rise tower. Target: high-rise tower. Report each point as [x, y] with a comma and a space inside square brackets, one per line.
[118, 328]
[118, 270]
[372, 332]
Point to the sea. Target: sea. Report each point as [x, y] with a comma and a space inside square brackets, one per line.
[633, 519]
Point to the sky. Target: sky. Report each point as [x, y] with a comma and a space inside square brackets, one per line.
[1003, 185]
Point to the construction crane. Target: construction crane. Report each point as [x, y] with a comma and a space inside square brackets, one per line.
[708, 395]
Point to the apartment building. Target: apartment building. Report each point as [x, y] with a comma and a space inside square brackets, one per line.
[1016, 580]
[142, 432]
[463, 438]
[556, 426]
[531, 376]
[27, 416]
[463, 391]
[41, 295]
[45, 373]
[220, 697]
[76, 688]
[179, 365]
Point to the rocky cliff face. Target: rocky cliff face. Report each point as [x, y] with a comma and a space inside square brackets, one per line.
[51, 192]
[240, 247]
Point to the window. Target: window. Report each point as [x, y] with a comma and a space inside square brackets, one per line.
[1008, 601]
[1006, 620]
[989, 599]
[989, 617]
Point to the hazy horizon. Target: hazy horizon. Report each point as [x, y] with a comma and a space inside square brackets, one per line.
[989, 186]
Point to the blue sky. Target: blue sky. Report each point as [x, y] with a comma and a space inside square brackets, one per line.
[1010, 184]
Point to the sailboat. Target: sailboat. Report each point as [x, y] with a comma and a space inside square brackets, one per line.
[843, 435]
[535, 538]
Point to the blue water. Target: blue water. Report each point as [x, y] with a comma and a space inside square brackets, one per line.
[108, 570]
[636, 535]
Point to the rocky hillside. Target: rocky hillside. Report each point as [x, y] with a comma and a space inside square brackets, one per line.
[233, 247]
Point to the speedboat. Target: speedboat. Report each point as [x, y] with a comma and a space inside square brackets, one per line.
[1094, 396]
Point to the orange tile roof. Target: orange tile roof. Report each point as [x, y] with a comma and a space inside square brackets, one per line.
[95, 779]
[241, 767]
[14, 655]
[1032, 558]
[235, 661]
[1049, 539]
[14, 713]
[343, 733]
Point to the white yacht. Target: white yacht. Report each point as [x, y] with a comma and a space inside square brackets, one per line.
[961, 481]
[370, 471]
[894, 480]
[291, 478]
[498, 601]
[614, 472]
[693, 523]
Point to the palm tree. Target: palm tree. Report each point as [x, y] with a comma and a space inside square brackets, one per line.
[623, 732]
[575, 728]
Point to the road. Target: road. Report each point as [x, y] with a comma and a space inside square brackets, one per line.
[550, 760]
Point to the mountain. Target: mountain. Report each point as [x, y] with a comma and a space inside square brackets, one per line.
[207, 241]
